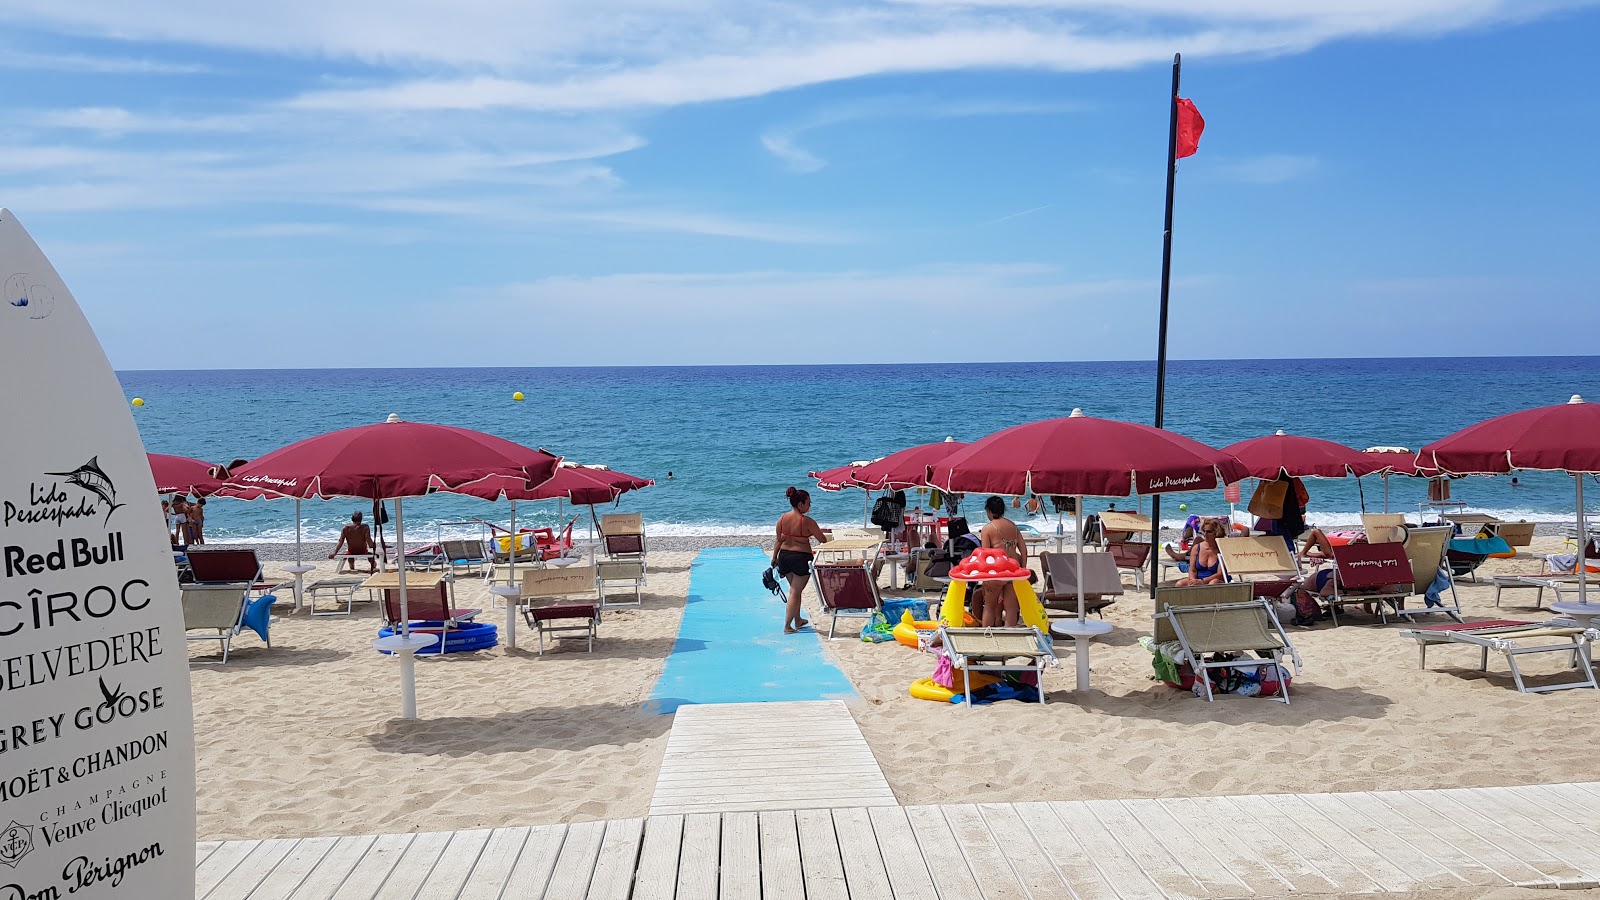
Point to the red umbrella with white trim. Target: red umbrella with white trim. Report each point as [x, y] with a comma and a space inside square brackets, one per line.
[182, 475]
[1301, 457]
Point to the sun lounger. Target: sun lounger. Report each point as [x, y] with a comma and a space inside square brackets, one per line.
[1102, 584]
[467, 555]
[337, 588]
[550, 609]
[1211, 619]
[1120, 535]
[1263, 561]
[428, 607]
[623, 534]
[1019, 649]
[1515, 639]
[620, 573]
[218, 597]
[1375, 574]
[846, 589]
[1425, 550]
[1515, 534]
[1384, 528]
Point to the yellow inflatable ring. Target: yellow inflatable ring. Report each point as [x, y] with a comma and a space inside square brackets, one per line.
[928, 689]
[906, 631]
[1509, 554]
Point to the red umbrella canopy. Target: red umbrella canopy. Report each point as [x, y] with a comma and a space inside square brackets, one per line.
[182, 475]
[392, 459]
[1397, 460]
[839, 478]
[1301, 457]
[907, 468]
[1563, 438]
[582, 485]
[1082, 455]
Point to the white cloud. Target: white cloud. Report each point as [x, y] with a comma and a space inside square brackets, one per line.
[798, 160]
[11, 58]
[1270, 168]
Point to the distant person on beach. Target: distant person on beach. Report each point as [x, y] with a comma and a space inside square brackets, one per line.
[1205, 563]
[180, 520]
[791, 553]
[998, 600]
[356, 540]
[197, 522]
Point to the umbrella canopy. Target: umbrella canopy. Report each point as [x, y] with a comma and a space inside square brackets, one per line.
[392, 459]
[907, 468]
[182, 475]
[577, 484]
[1084, 456]
[1398, 461]
[840, 477]
[1301, 457]
[1562, 438]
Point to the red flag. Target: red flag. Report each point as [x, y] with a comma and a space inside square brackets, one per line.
[1190, 126]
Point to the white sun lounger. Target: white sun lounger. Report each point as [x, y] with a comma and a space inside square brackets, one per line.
[1516, 639]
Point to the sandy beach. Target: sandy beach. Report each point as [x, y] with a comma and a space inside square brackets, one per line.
[304, 738]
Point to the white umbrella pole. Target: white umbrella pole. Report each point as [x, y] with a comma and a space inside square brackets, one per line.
[297, 559]
[299, 569]
[408, 658]
[1077, 518]
[511, 581]
[1583, 543]
[1386, 492]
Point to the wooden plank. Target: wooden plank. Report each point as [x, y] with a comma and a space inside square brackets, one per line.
[217, 864]
[286, 876]
[531, 875]
[901, 853]
[697, 861]
[414, 866]
[456, 864]
[1198, 858]
[1028, 862]
[1480, 854]
[1106, 851]
[569, 880]
[203, 849]
[1306, 840]
[1168, 872]
[740, 877]
[864, 873]
[363, 881]
[619, 856]
[657, 877]
[1428, 861]
[1376, 850]
[493, 867]
[987, 863]
[336, 865]
[1531, 819]
[781, 877]
[1572, 807]
[252, 870]
[1245, 837]
[819, 856]
[1064, 852]
[1530, 853]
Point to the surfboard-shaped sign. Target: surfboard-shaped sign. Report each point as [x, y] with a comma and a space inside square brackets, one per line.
[96, 728]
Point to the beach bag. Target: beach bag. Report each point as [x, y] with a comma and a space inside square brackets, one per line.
[769, 580]
[887, 513]
[1267, 501]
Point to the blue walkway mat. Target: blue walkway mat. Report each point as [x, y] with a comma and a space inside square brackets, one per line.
[731, 647]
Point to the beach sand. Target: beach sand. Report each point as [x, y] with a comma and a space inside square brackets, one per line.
[304, 739]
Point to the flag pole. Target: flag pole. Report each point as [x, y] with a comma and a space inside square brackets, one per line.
[1161, 329]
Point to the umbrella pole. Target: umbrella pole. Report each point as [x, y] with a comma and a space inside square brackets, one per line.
[511, 581]
[1583, 544]
[1081, 630]
[299, 569]
[1386, 492]
[405, 647]
[1077, 518]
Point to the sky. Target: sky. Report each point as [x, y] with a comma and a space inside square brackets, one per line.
[614, 182]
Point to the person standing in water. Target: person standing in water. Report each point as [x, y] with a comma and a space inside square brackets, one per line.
[791, 553]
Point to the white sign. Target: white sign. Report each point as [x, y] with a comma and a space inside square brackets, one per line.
[96, 728]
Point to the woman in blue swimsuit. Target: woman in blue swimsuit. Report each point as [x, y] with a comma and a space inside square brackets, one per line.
[1205, 565]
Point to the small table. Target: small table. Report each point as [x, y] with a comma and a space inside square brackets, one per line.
[299, 572]
[1584, 614]
[1081, 631]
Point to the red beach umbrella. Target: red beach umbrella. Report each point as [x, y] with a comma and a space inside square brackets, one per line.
[907, 468]
[837, 478]
[1561, 438]
[1301, 457]
[1083, 456]
[182, 475]
[1398, 461]
[390, 461]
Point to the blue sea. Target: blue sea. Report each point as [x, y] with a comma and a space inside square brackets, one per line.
[734, 437]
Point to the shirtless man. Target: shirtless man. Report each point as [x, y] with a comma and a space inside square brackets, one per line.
[356, 540]
[999, 599]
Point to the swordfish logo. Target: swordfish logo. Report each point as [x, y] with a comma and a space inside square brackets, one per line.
[93, 479]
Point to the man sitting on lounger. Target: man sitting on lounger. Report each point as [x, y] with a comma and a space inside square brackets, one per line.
[998, 600]
[356, 540]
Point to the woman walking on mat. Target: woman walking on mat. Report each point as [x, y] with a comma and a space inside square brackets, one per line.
[791, 553]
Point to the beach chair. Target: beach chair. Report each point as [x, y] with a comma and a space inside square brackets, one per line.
[343, 587]
[216, 601]
[1516, 639]
[1223, 619]
[1516, 534]
[1463, 556]
[623, 534]
[1102, 584]
[1425, 549]
[1263, 561]
[548, 606]
[846, 589]
[1384, 528]
[1376, 574]
[1120, 536]
[429, 609]
[1018, 649]
[562, 546]
[467, 555]
[620, 573]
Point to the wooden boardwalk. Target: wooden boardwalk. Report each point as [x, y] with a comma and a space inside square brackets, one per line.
[1318, 844]
[734, 757]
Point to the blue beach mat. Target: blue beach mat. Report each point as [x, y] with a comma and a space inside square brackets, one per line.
[731, 647]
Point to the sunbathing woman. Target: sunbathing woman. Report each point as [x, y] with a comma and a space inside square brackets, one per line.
[791, 553]
[1205, 564]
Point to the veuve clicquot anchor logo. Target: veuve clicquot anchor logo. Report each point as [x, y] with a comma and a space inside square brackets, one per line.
[53, 503]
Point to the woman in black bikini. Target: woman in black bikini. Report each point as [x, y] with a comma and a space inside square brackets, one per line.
[791, 553]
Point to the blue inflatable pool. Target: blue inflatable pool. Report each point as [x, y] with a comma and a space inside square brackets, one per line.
[468, 637]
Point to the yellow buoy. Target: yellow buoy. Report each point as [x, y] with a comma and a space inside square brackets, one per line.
[138, 401]
[517, 396]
